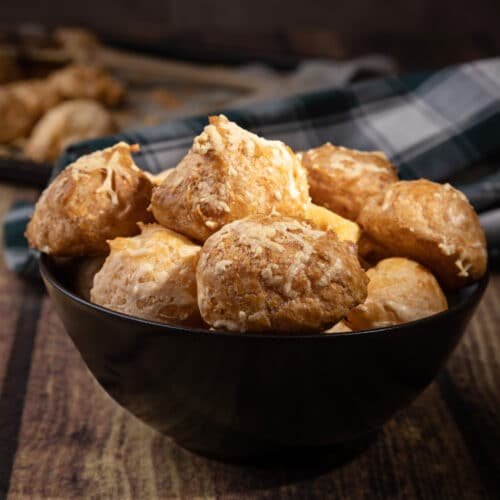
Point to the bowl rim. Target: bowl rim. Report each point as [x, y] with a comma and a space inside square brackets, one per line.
[47, 275]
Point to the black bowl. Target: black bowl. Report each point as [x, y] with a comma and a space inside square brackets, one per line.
[237, 396]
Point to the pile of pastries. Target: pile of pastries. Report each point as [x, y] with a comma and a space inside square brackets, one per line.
[45, 115]
[245, 235]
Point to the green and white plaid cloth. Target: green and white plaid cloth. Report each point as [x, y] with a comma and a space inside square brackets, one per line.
[442, 125]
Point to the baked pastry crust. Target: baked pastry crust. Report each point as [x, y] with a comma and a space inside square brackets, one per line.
[431, 223]
[277, 274]
[342, 179]
[151, 276]
[69, 122]
[340, 327]
[228, 174]
[157, 179]
[322, 218]
[370, 252]
[400, 290]
[100, 196]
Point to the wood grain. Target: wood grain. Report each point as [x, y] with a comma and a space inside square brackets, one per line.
[473, 374]
[19, 309]
[11, 288]
[77, 443]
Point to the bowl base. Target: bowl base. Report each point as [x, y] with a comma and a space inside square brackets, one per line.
[318, 457]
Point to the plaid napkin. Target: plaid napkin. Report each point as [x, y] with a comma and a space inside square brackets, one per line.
[442, 125]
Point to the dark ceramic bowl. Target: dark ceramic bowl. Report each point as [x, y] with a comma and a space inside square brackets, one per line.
[238, 396]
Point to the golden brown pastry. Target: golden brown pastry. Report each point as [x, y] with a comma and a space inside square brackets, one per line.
[340, 327]
[400, 290]
[277, 274]
[370, 252]
[151, 276]
[324, 219]
[82, 81]
[21, 105]
[67, 123]
[229, 173]
[15, 119]
[85, 272]
[80, 44]
[100, 196]
[342, 179]
[431, 223]
[157, 179]
[9, 67]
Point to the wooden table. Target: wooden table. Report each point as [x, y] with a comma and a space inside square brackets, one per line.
[61, 436]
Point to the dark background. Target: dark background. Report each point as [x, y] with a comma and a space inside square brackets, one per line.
[419, 34]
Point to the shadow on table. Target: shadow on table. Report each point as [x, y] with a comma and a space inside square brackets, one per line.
[268, 472]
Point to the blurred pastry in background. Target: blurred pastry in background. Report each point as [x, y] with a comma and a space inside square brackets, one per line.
[342, 179]
[277, 274]
[431, 223]
[399, 290]
[9, 69]
[228, 174]
[98, 197]
[16, 120]
[150, 276]
[80, 45]
[67, 123]
[84, 81]
[21, 105]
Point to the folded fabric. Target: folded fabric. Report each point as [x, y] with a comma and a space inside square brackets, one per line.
[441, 125]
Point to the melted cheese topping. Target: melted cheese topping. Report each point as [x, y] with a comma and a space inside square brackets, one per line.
[462, 268]
[351, 162]
[223, 137]
[151, 275]
[447, 248]
[277, 238]
[112, 161]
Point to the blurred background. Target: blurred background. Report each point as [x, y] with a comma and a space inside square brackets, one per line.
[418, 34]
[99, 67]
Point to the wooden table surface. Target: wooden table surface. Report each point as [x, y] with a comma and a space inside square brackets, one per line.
[61, 436]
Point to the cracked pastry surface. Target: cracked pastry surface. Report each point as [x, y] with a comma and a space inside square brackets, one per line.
[100, 196]
[400, 290]
[228, 174]
[431, 223]
[275, 273]
[342, 179]
[68, 122]
[151, 276]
